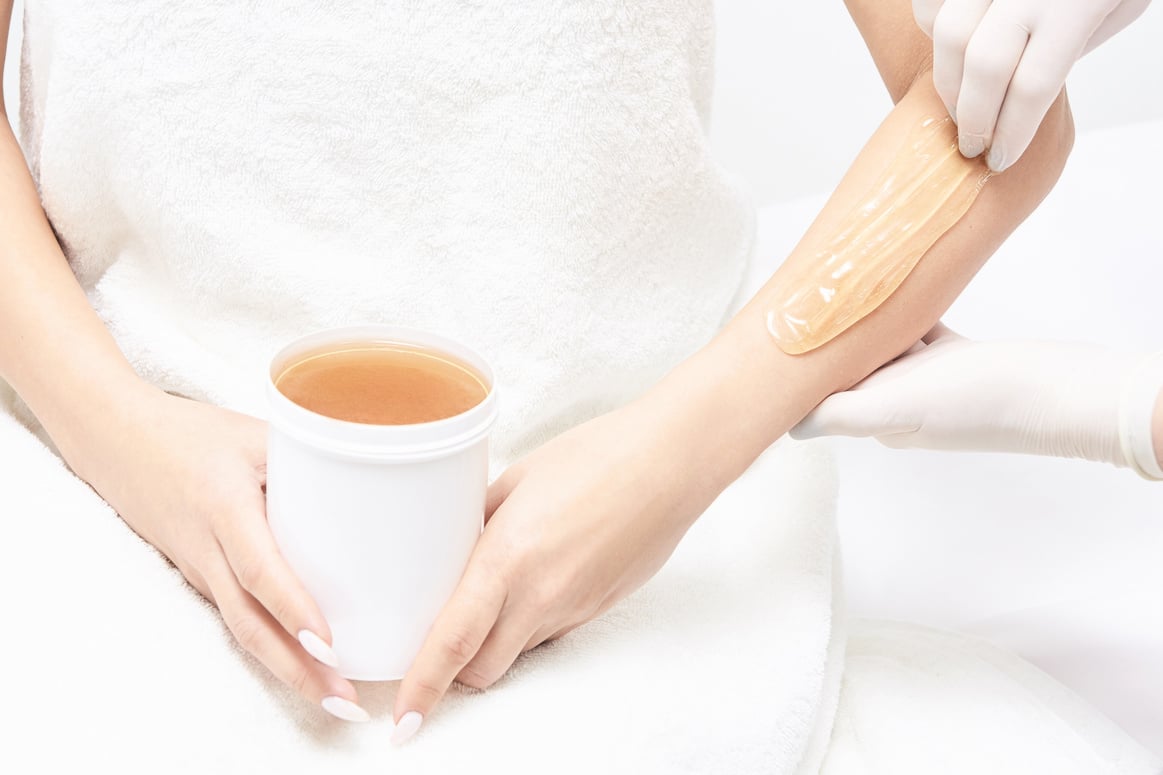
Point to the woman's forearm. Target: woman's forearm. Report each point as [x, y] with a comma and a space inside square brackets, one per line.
[54, 350]
[742, 392]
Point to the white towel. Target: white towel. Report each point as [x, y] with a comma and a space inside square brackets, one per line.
[727, 661]
[532, 178]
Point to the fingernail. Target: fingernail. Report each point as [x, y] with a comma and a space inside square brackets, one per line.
[406, 727]
[344, 709]
[997, 158]
[318, 648]
[971, 146]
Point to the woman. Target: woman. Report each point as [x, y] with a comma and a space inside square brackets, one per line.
[214, 181]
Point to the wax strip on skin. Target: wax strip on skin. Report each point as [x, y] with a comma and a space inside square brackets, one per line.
[926, 189]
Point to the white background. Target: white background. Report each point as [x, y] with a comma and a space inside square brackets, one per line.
[796, 94]
[1055, 559]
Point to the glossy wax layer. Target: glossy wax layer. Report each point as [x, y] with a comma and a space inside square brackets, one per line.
[927, 188]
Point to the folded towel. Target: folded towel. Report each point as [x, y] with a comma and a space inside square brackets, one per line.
[727, 661]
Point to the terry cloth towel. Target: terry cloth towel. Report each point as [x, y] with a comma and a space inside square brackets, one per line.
[726, 662]
[531, 178]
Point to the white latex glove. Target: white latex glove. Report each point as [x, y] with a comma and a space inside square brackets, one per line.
[1000, 64]
[1042, 398]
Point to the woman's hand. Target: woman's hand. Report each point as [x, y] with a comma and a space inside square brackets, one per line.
[1044, 398]
[189, 478]
[572, 529]
[999, 64]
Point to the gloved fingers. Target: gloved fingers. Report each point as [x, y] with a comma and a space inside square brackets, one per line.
[906, 439]
[925, 12]
[953, 26]
[1036, 83]
[991, 59]
[857, 413]
[938, 334]
[1122, 16]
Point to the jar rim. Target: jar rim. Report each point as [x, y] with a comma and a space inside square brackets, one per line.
[402, 443]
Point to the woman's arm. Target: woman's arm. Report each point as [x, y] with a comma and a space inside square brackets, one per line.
[749, 389]
[591, 515]
[54, 351]
[187, 477]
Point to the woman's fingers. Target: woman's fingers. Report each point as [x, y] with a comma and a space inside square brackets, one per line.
[247, 543]
[453, 642]
[194, 579]
[259, 634]
[505, 642]
[499, 490]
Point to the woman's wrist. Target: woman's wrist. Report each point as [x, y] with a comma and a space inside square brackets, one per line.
[731, 400]
[89, 421]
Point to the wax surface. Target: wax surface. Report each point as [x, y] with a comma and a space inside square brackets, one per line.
[382, 383]
[926, 189]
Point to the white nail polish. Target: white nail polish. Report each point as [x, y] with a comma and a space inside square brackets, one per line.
[345, 709]
[317, 648]
[407, 727]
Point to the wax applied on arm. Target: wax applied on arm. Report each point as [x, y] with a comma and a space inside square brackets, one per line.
[926, 189]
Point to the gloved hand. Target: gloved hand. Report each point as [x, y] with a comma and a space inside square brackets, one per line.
[1042, 398]
[1000, 64]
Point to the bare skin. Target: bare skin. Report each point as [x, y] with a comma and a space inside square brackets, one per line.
[187, 477]
[564, 542]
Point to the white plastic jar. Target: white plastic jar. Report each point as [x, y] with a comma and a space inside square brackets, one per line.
[377, 521]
